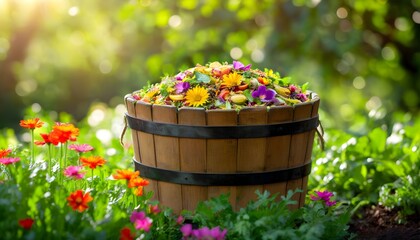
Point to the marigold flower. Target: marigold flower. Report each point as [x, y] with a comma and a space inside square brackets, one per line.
[92, 161]
[137, 182]
[74, 172]
[81, 148]
[125, 234]
[9, 160]
[125, 174]
[63, 132]
[197, 96]
[26, 223]
[31, 123]
[138, 191]
[79, 200]
[232, 79]
[47, 139]
[5, 152]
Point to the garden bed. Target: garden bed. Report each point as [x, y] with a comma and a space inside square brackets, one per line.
[378, 222]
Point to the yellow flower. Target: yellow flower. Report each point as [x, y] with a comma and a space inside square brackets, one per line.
[232, 79]
[149, 95]
[197, 96]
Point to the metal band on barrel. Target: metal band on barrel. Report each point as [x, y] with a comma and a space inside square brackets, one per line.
[222, 132]
[222, 179]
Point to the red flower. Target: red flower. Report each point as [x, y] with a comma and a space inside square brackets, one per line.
[31, 123]
[92, 162]
[5, 152]
[47, 139]
[78, 200]
[125, 234]
[26, 223]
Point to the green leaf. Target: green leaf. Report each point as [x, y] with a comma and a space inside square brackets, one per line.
[201, 77]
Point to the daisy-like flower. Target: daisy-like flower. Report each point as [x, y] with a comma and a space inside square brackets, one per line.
[47, 139]
[74, 172]
[137, 182]
[125, 174]
[232, 79]
[81, 148]
[79, 200]
[5, 152]
[92, 162]
[26, 223]
[31, 123]
[9, 160]
[143, 224]
[197, 96]
[63, 132]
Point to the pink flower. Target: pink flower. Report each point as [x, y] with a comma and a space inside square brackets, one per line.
[9, 160]
[74, 172]
[81, 147]
[154, 209]
[240, 66]
[137, 215]
[186, 230]
[325, 196]
[180, 220]
[143, 224]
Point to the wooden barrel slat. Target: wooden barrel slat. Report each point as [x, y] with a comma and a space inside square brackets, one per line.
[251, 152]
[298, 144]
[131, 109]
[192, 156]
[167, 157]
[222, 153]
[147, 153]
[308, 154]
[277, 152]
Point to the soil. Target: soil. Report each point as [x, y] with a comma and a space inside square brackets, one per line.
[380, 223]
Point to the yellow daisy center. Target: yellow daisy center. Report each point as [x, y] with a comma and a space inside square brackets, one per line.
[196, 96]
[232, 80]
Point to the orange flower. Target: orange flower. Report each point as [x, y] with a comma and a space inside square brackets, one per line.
[5, 152]
[31, 123]
[62, 132]
[47, 139]
[26, 223]
[137, 182]
[138, 191]
[125, 174]
[92, 162]
[78, 200]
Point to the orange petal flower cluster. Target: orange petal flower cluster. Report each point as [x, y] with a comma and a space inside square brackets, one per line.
[61, 133]
[5, 152]
[133, 180]
[92, 162]
[79, 200]
[31, 123]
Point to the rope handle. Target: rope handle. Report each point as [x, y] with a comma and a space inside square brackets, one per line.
[320, 134]
[123, 131]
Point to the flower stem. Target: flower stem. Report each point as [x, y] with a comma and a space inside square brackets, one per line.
[32, 147]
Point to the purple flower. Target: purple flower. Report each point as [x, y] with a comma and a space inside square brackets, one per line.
[81, 147]
[182, 87]
[302, 97]
[186, 230]
[264, 94]
[74, 172]
[9, 160]
[240, 66]
[180, 76]
[137, 216]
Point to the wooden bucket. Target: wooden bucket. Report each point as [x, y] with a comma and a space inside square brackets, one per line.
[191, 154]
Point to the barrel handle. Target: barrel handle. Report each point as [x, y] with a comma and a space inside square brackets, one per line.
[123, 131]
[320, 134]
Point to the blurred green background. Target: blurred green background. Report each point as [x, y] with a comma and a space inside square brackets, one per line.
[361, 56]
